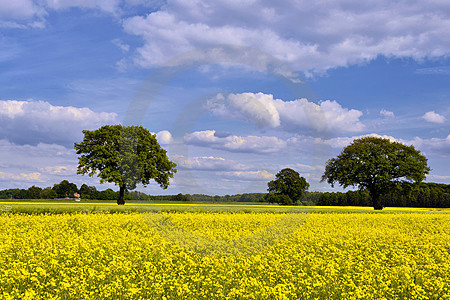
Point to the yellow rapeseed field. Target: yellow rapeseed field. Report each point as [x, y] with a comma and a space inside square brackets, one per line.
[197, 255]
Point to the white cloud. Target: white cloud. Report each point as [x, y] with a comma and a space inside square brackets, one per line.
[59, 170]
[207, 163]
[164, 137]
[325, 117]
[433, 117]
[27, 177]
[233, 143]
[387, 113]
[33, 122]
[260, 108]
[433, 146]
[23, 163]
[310, 36]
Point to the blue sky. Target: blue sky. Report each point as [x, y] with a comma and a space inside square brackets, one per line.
[235, 90]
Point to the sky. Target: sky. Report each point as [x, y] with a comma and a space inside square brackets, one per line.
[234, 90]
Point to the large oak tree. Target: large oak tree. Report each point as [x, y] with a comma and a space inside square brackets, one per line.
[376, 165]
[125, 155]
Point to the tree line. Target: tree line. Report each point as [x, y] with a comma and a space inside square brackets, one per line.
[421, 195]
[66, 189]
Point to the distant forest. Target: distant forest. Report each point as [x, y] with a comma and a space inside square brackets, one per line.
[420, 195]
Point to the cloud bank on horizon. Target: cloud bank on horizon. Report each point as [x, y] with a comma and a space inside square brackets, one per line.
[247, 133]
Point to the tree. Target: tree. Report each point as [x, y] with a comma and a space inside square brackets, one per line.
[279, 198]
[125, 155]
[48, 193]
[88, 192]
[65, 189]
[179, 197]
[34, 192]
[376, 165]
[288, 182]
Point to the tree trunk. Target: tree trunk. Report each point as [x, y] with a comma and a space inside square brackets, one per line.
[376, 201]
[121, 200]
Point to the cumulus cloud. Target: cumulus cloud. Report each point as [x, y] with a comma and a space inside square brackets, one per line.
[34, 122]
[310, 36]
[164, 137]
[233, 143]
[433, 117]
[207, 163]
[387, 113]
[262, 109]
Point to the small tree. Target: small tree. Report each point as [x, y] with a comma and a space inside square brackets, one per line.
[376, 165]
[124, 155]
[288, 182]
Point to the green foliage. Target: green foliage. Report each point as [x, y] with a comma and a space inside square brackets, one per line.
[65, 189]
[288, 182]
[124, 155]
[376, 165]
[48, 193]
[34, 192]
[180, 197]
[88, 192]
[279, 198]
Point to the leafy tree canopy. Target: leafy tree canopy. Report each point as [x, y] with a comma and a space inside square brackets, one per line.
[288, 182]
[65, 189]
[280, 199]
[125, 155]
[34, 192]
[376, 165]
